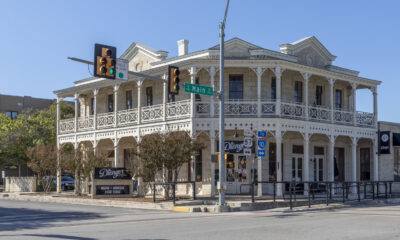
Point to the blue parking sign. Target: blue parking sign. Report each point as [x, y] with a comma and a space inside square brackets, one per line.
[261, 153]
[262, 134]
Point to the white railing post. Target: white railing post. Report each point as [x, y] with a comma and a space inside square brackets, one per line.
[165, 96]
[139, 100]
[212, 83]
[193, 73]
[76, 98]
[259, 71]
[278, 75]
[331, 103]
[116, 86]
[375, 93]
[353, 98]
[95, 92]
[306, 77]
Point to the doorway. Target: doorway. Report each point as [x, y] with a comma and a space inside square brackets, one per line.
[339, 170]
[237, 174]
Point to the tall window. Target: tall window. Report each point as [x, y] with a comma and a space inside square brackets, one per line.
[92, 106]
[149, 96]
[298, 91]
[318, 95]
[199, 166]
[365, 166]
[128, 99]
[273, 88]
[235, 87]
[338, 99]
[396, 158]
[12, 114]
[110, 103]
[197, 96]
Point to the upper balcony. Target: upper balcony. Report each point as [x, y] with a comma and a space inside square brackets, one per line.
[210, 109]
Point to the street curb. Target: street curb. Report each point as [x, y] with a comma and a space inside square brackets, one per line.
[91, 202]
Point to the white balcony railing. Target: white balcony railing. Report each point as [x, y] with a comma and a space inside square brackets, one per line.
[152, 113]
[202, 109]
[178, 110]
[365, 119]
[343, 117]
[293, 110]
[67, 125]
[85, 123]
[319, 113]
[127, 117]
[105, 120]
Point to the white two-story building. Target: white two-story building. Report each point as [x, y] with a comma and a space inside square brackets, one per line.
[304, 102]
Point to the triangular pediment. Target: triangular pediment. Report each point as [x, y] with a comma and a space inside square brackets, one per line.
[140, 56]
[237, 47]
[309, 51]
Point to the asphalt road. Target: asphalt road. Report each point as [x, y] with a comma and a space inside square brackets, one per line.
[32, 220]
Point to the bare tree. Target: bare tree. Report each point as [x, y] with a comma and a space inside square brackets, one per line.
[43, 163]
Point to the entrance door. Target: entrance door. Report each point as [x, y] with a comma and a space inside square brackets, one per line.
[297, 168]
[237, 174]
[339, 165]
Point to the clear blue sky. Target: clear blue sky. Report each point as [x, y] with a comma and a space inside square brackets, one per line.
[38, 36]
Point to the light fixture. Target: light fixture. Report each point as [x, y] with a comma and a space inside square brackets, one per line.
[235, 135]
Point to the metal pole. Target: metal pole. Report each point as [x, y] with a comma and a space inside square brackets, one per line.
[222, 111]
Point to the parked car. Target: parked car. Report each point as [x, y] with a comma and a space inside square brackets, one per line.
[67, 182]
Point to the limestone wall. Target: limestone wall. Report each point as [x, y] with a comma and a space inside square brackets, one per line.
[20, 184]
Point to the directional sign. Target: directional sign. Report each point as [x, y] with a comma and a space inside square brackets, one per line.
[261, 144]
[199, 89]
[248, 142]
[261, 134]
[122, 69]
[248, 133]
[247, 151]
[261, 153]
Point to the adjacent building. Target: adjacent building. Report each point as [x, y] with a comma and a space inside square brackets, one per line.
[305, 103]
[14, 105]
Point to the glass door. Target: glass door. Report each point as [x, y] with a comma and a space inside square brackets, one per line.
[242, 175]
[297, 169]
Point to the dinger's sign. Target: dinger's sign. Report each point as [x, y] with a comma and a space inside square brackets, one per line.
[111, 173]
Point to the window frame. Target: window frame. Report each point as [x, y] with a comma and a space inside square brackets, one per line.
[235, 78]
[110, 102]
[298, 91]
[128, 99]
[149, 96]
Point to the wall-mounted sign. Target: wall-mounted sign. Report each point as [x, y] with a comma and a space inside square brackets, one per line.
[112, 190]
[111, 173]
[384, 142]
[235, 147]
[396, 139]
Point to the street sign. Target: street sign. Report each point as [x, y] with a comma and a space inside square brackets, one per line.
[199, 89]
[247, 142]
[261, 134]
[248, 133]
[121, 69]
[261, 144]
[247, 151]
[261, 153]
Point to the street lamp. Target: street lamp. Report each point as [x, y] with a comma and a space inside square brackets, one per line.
[221, 183]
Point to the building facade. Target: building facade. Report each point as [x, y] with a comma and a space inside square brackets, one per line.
[14, 105]
[306, 105]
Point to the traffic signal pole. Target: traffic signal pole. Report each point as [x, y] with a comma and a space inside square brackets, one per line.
[221, 184]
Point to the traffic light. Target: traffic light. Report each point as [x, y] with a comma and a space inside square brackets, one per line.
[104, 61]
[173, 80]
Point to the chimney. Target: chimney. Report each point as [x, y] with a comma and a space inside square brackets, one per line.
[183, 47]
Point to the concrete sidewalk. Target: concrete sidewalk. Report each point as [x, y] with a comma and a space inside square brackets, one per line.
[233, 203]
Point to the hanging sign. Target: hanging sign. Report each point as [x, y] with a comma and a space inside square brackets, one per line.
[384, 142]
[235, 146]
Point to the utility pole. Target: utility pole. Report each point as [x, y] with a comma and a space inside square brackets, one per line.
[222, 112]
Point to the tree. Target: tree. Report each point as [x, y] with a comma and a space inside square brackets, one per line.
[165, 153]
[43, 161]
[28, 130]
[81, 163]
